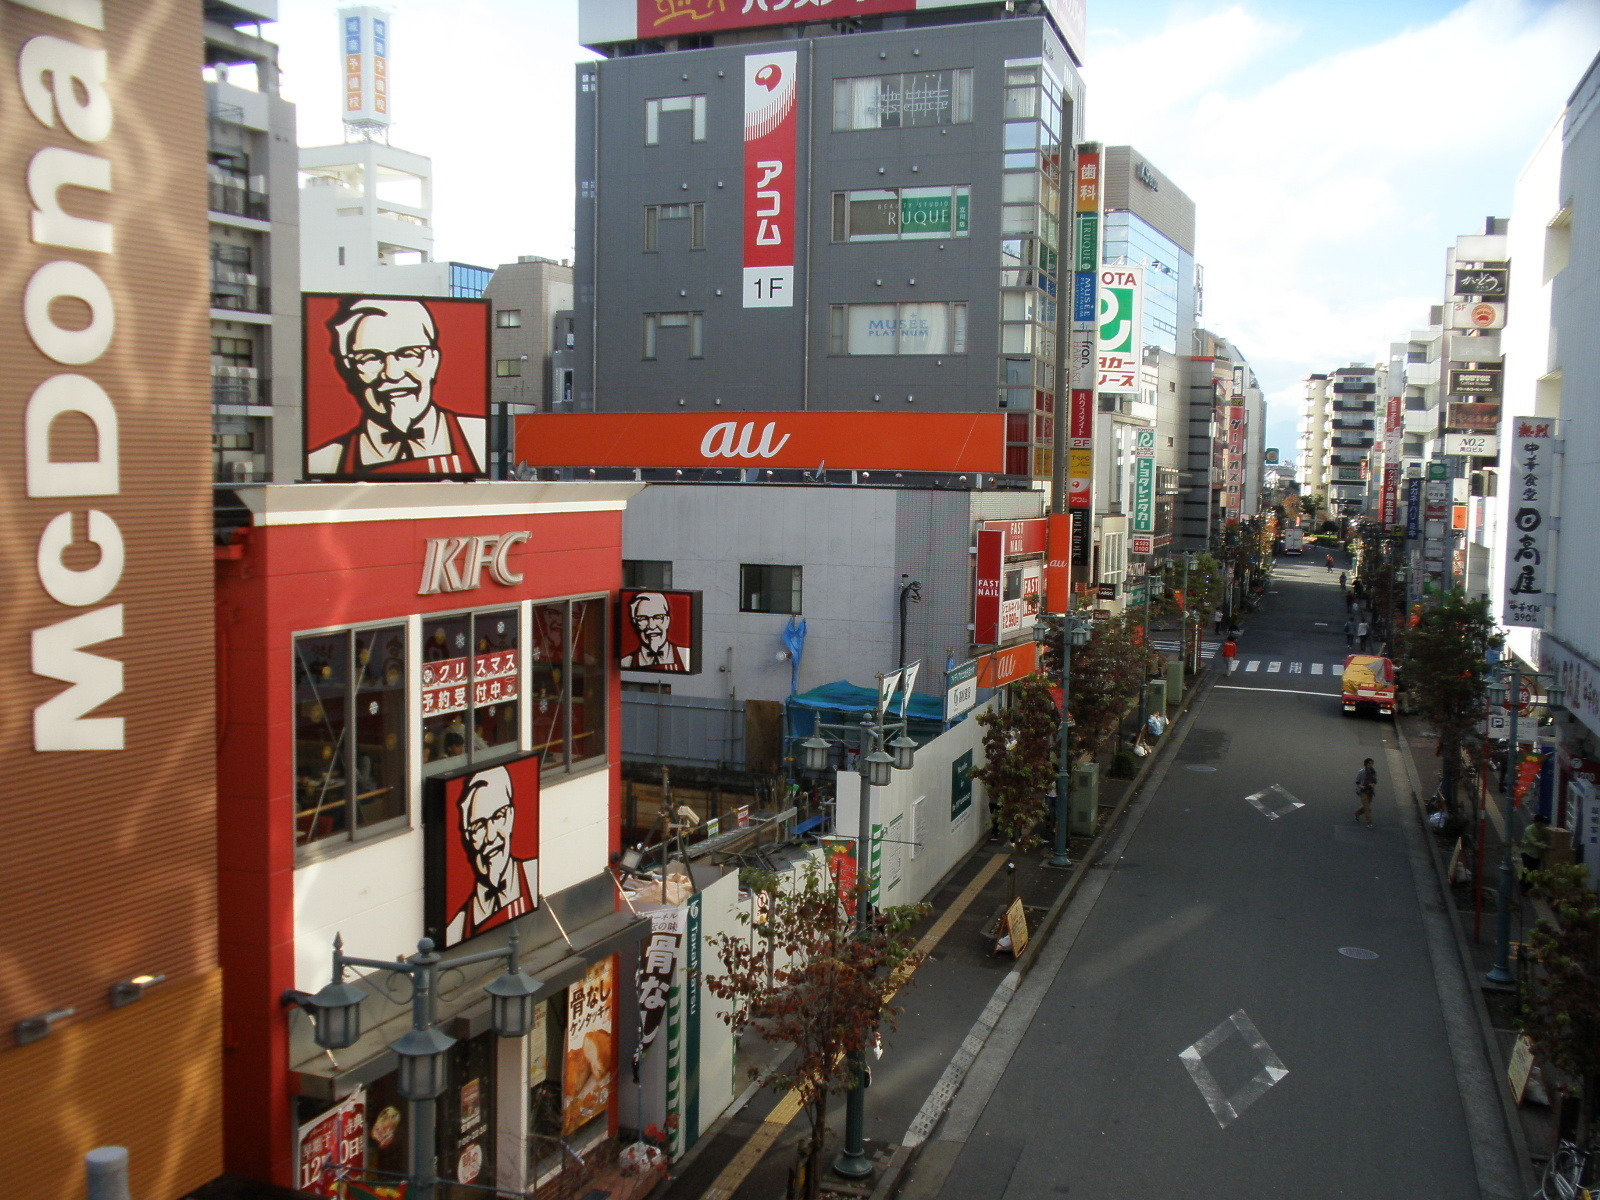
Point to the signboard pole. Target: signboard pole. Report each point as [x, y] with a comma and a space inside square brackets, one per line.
[1077, 463]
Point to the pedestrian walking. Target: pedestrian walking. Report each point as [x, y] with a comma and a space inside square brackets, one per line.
[1341, 581]
[1229, 649]
[1362, 630]
[1349, 634]
[1366, 784]
[1216, 620]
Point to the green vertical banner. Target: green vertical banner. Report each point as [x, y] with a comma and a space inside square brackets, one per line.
[875, 868]
[1144, 482]
[675, 1067]
[690, 1125]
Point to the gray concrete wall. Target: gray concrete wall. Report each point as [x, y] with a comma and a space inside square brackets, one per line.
[618, 175]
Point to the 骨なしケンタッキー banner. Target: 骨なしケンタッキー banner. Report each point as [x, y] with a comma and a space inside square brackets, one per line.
[770, 120]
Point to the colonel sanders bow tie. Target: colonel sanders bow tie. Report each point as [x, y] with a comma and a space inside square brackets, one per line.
[409, 440]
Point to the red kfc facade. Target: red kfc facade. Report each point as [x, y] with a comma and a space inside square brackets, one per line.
[419, 737]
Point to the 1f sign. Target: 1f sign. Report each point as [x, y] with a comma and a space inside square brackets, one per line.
[769, 184]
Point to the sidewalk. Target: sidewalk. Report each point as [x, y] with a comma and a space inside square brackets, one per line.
[956, 997]
[1475, 917]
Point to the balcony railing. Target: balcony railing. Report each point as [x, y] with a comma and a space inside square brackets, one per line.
[237, 201]
[241, 297]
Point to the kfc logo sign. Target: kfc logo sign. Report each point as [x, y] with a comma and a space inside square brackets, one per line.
[456, 564]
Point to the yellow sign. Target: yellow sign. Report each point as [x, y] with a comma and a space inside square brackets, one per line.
[1017, 927]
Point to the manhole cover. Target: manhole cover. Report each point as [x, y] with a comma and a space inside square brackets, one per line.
[1357, 952]
[1198, 767]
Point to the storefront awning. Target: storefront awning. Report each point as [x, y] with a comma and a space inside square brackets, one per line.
[556, 966]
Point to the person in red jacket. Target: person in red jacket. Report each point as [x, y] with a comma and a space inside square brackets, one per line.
[1229, 649]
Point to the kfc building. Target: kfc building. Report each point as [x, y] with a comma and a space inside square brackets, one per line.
[417, 739]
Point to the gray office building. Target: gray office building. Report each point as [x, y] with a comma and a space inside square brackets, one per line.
[913, 218]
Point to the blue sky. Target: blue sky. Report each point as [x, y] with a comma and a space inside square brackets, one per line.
[1334, 148]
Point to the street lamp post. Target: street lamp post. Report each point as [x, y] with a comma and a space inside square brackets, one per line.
[1074, 632]
[875, 771]
[335, 1013]
[1506, 687]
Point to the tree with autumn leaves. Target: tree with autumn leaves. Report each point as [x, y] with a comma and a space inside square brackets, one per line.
[1021, 739]
[811, 976]
[1561, 1006]
[1443, 671]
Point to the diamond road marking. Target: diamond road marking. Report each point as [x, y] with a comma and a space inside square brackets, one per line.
[1252, 665]
[1316, 668]
[1274, 666]
[1226, 1109]
[1259, 800]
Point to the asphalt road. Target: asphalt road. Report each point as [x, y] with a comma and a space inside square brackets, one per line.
[1245, 1004]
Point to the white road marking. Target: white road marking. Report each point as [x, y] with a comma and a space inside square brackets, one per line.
[1274, 814]
[1294, 668]
[1226, 1109]
[1274, 667]
[1252, 665]
[1235, 687]
[1316, 668]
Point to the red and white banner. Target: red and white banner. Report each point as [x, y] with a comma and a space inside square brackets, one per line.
[1022, 537]
[990, 569]
[770, 139]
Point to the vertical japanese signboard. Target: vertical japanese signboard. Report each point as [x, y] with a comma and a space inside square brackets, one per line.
[770, 93]
[1080, 449]
[1057, 586]
[332, 1145]
[986, 603]
[1413, 508]
[1144, 482]
[1527, 581]
[364, 33]
[590, 1055]
[1120, 340]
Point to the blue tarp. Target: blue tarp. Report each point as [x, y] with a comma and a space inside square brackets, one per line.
[843, 697]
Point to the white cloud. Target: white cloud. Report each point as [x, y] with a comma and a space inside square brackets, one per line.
[1326, 197]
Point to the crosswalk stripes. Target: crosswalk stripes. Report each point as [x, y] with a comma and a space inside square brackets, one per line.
[1278, 666]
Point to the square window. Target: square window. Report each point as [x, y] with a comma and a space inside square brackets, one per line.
[506, 367]
[508, 318]
[769, 589]
[646, 573]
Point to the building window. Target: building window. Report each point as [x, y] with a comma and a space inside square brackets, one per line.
[567, 680]
[505, 367]
[910, 328]
[233, 351]
[694, 213]
[893, 214]
[766, 589]
[646, 573]
[902, 101]
[656, 326]
[470, 674]
[695, 106]
[508, 318]
[349, 735]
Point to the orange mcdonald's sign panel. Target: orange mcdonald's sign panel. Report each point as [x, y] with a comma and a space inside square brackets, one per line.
[841, 441]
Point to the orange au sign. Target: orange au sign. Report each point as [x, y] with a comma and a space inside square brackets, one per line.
[972, 442]
[1008, 665]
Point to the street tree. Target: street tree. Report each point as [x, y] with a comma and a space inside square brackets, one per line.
[1561, 1007]
[1019, 744]
[1442, 670]
[811, 976]
[1109, 671]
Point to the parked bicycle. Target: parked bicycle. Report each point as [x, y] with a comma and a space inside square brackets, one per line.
[1565, 1173]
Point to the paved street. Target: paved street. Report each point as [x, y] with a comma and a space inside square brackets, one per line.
[1244, 1001]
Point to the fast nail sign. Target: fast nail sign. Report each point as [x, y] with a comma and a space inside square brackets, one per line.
[769, 169]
